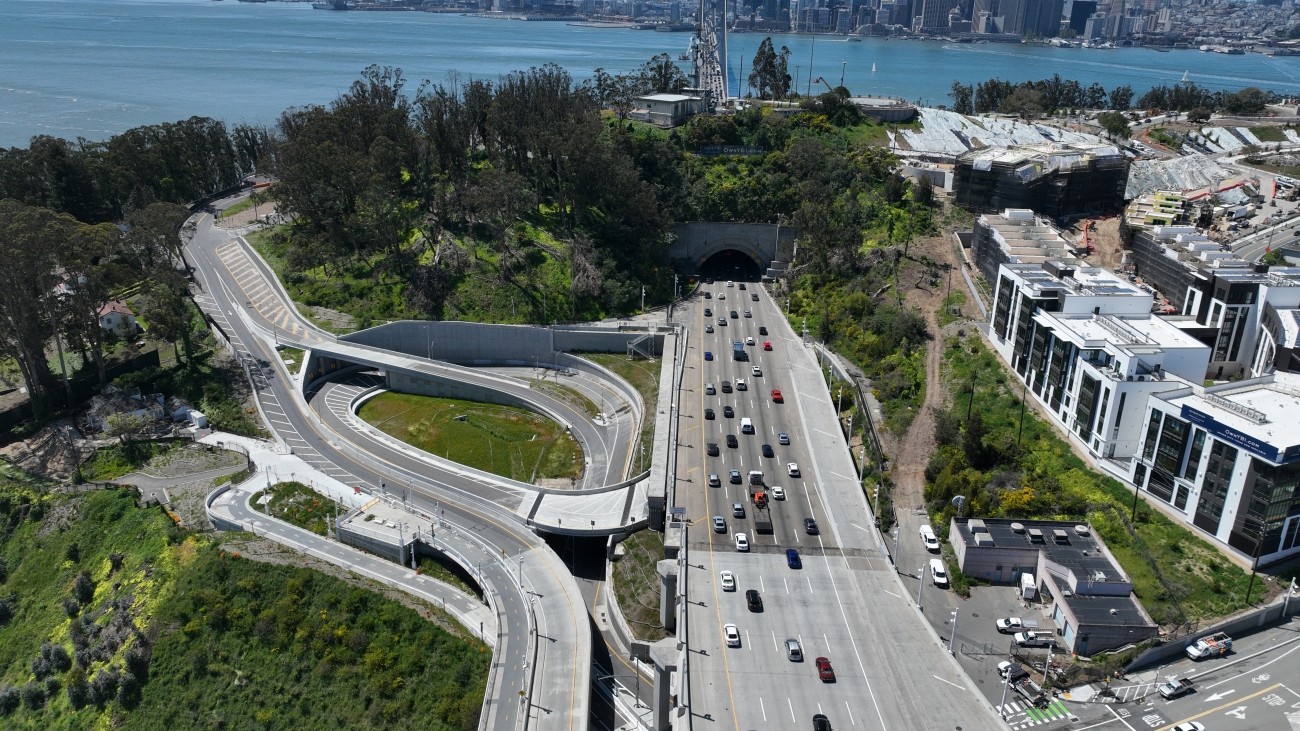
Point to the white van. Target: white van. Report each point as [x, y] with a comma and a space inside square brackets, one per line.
[938, 574]
[746, 426]
[709, 389]
[929, 539]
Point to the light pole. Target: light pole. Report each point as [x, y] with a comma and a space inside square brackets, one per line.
[1006, 681]
[893, 558]
[919, 586]
[953, 637]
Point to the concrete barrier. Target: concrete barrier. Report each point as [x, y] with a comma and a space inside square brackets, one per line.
[1242, 624]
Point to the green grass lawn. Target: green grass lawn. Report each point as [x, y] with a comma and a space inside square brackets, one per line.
[503, 440]
[1269, 134]
[231, 644]
[644, 376]
[636, 584]
[294, 502]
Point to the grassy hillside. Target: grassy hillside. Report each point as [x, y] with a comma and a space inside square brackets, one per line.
[115, 617]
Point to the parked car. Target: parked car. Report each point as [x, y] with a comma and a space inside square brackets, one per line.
[1010, 625]
[728, 580]
[928, 538]
[824, 670]
[1011, 670]
[792, 559]
[732, 635]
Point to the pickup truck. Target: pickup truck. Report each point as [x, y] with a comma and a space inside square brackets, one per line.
[1034, 639]
[1174, 687]
[1216, 645]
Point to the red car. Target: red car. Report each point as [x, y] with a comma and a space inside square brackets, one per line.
[825, 671]
[767, 345]
[776, 396]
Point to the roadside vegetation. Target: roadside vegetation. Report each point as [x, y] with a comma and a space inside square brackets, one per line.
[643, 375]
[118, 460]
[636, 584]
[113, 616]
[298, 504]
[504, 440]
[1009, 471]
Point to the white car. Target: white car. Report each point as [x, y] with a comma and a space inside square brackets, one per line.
[722, 295]
[728, 580]
[778, 493]
[1189, 726]
[792, 469]
[730, 283]
[749, 340]
[732, 634]
[756, 371]
[742, 543]
[741, 385]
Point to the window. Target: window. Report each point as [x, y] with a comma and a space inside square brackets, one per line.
[1214, 488]
[1153, 435]
[1194, 458]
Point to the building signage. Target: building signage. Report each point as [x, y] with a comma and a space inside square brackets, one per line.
[1238, 438]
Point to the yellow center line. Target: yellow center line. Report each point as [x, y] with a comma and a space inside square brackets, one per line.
[1235, 702]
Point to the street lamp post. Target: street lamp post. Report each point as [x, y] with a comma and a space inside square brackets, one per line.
[893, 558]
[920, 584]
[953, 638]
[1002, 707]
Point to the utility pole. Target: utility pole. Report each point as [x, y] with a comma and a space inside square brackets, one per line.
[953, 638]
[1002, 707]
[919, 586]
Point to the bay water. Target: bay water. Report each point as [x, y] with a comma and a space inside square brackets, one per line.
[94, 68]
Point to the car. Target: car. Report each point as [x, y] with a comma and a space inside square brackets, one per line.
[1010, 625]
[749, 340]
[810, 526]
[939, 576]
[753, 600]
[708, 280]
[735, 315]
[722, 322]
[732, 635]
[708, 295]
[726, 386]
[793, 650]
[709, 389]
[767, 451]
[719, 524]
[748, 313]
[824, 670]
[753, 296]
[1189, 726]
[712, 449]
[730, 283]
[928, 538]
[708, 328]
[778, 493]
[755, 371]
[741, 385]
[742, 542]
[821, 722]
[777, 398]
[714, 481]
[728, 412]
[742, 286]
[731, 441]
[792, 469]
[767, 345]
[737, 510]
[762, 329]
[782, 438]
[792, 559]
[1012, 671]
[728, 580]
[708, 355]
[722, 295]
[709, 415]
[733, 476]
[708, 312]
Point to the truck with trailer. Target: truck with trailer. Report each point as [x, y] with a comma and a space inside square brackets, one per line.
[758, 494]
[1216, 645]
[738, 350]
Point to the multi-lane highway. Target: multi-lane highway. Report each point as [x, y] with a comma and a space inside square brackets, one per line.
[843, 602]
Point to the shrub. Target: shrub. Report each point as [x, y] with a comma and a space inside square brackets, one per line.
[83, 589]
[33, 695]
[9, 700]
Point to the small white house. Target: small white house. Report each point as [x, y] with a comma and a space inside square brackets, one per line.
[117, 318]
[668, 110]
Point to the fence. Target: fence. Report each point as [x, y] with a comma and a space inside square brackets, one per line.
[1245, 623]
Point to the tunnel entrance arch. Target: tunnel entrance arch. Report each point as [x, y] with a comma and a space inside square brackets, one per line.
[759, 249]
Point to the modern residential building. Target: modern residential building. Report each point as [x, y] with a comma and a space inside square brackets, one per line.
[1089, 350]
[1227, 458]
[1016, 236]
[1090, 598]
[1052, 179]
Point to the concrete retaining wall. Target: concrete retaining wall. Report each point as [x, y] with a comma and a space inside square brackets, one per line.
[1240, 625]
[473, 343]
[217, 521]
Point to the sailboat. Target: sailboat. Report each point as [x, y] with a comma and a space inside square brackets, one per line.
[1185, 73]
[873, 68]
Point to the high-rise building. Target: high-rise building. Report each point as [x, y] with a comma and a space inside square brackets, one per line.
[1080, 11]
[934, 14]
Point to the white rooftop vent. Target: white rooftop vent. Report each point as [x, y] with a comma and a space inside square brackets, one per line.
[1017, 527]
[1035, 535]
[976, 525]
[1060, 536]
[1082, 530]
[1099, 576]
[1114, 612]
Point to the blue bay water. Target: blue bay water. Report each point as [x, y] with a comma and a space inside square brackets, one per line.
[93, 68]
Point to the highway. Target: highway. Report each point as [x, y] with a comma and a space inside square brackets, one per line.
[844, 603]
[542, 662]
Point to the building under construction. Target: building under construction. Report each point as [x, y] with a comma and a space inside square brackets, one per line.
[1055, 179]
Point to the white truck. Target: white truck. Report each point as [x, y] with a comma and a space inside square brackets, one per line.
[1034, 639]
[1174, 687]
[1216, 645]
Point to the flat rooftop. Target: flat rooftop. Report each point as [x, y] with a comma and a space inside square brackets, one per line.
[1118, 611]
[1059, 540]
[1129, 332]
[1267, 409]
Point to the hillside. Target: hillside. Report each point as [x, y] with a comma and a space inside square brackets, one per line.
[114, 617]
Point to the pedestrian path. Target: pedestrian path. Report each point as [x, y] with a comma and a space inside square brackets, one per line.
[1023, 714]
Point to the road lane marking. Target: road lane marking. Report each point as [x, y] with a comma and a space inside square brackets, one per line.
[949, 682]
[1216, 709]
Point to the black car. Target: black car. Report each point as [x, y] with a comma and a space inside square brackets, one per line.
[731, 441]
[734, 477]
[712, 449]
[708, 414]
[753, 296]
[708, 312]
[726, 386]
[742, 286]
[810, 527]
[728, 412]
[735, 315]
[753, 600]
[767, 451]
[762, 329]
[821, 723]
[708, 295]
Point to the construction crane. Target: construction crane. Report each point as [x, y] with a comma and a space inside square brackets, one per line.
[825, 83]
